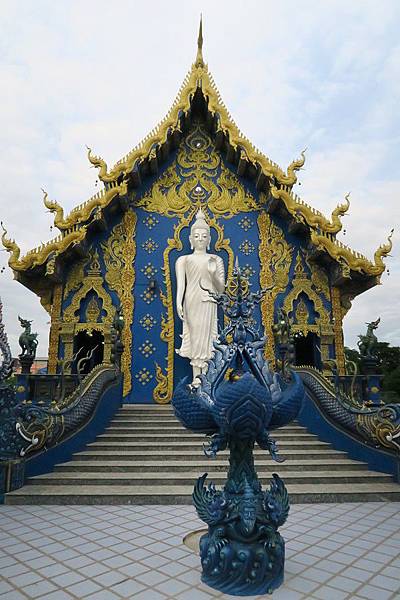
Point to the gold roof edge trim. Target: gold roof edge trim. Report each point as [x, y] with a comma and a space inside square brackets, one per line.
[39, 255]
[82, 212]
[198, 77]
[302, 211]
[354, 260]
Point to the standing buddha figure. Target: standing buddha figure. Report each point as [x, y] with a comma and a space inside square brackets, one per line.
[195, 274]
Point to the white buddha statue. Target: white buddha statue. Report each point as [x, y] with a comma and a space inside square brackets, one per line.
[194, 305]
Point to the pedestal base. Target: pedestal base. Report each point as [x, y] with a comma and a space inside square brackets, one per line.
[243, 569]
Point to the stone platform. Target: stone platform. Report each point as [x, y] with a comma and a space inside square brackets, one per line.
[333, 552]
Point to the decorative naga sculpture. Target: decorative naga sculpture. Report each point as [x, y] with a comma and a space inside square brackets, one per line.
[27, 340]
[367, 343]
[6, 364]
[197, 273]
[238, 402]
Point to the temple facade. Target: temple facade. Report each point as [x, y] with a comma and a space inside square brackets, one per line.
[119, 248]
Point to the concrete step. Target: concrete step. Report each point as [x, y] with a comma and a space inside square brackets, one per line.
[189, 478]
[190, 444]
[113, 435]
[146, 456]
[162, 455]
[180, 494]
[203, 464]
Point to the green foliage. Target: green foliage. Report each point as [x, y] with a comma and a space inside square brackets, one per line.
[391, 385]
[388, 357]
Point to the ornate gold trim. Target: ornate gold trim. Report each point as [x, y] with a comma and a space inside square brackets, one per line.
[81, 213]
[127, 296]
[302, 212]
[275, 256]
[302, 284]
[197, 78]
[38, 256]
[54, 329]
[353, 260]
[338, 330]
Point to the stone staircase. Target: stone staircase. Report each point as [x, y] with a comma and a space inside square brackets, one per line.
[147, 457]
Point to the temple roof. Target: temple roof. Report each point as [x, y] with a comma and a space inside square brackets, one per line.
[198, 95]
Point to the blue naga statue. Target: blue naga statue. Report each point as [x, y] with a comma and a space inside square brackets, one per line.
[237, 404]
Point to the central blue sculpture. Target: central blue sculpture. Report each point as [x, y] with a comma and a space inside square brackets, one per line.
[237, 404]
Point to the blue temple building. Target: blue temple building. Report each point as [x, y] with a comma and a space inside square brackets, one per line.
[108, 283]
[119, 248]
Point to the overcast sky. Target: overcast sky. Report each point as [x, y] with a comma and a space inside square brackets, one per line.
[293, 74]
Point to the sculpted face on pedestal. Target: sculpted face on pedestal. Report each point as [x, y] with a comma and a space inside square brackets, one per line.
[193, 304]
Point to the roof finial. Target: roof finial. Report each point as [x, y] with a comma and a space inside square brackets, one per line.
[199, 58]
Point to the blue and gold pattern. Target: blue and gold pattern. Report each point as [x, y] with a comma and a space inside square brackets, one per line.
[245, 223]
[143, 376]
[147, 348]
[149, 270]
[147, 321]
[150, 221]
[148, 295]
[247, 271]
[247, 247]
[150, 245]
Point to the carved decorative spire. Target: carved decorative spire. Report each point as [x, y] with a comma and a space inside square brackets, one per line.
[199, 58]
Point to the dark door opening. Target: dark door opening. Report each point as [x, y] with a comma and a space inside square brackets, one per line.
[89, 344]
[307, 350]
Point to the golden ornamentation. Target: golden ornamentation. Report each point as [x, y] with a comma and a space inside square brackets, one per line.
[338, 331]
[92, 311]
[54, 329]
[198, 177]
[163, 387]
[353, 260]
[275, 257]
[113, 255]
[302, 284]
[127, 281]
[302, 317]
[38, 256]
[382, 427]
[119, 253]
[92, 282]
[304, 213]
[82, 213]
[75, 276]
[319, 278]
[198, 78]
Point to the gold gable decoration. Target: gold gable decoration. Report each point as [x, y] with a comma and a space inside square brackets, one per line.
[301, 283]
[202, 180]
[92, 282]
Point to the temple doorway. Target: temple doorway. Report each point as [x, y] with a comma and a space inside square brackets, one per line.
[91, 344]
[307, 350]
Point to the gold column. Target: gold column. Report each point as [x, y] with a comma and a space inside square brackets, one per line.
[127, 298]
[267, 303]
[338, 330]
[54, 329]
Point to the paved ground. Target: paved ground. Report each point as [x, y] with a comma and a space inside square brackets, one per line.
[334, 551]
